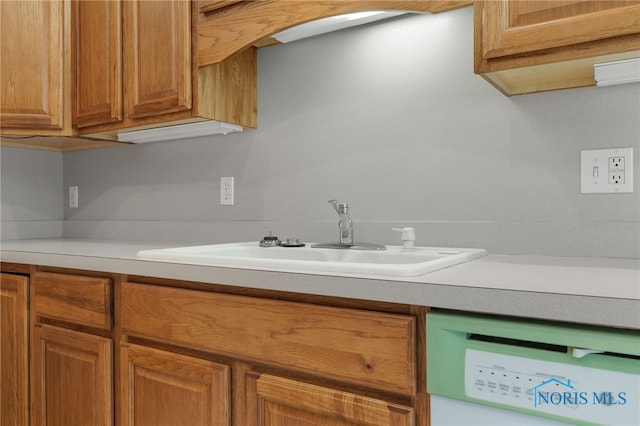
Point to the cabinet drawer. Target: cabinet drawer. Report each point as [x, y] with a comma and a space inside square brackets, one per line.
[350, 345]
[285, 401]
[74, 298]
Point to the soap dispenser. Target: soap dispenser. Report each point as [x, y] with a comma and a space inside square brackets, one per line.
[408, 237]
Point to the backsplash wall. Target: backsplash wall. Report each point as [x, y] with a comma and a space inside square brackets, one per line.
[31, 193]
[391, 119]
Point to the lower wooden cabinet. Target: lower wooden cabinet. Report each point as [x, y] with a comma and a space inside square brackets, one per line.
[160, 388]
[71, 378]
[277, 401]
[102, 351]
[14, 321]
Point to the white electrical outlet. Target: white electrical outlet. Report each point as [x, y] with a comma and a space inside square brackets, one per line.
[73, 197]
[226, 191]
[616, 170]
[606, 170]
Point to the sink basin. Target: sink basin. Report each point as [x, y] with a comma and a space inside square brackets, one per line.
[392, 262]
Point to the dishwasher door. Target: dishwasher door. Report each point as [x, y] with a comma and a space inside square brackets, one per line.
[567, 372]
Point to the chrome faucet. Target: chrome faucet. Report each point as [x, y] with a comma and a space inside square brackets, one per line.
[345, 224]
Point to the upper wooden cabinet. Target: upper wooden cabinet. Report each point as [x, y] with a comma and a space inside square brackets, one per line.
[95, 68]
[36, 81]
[34, 73]
[529, 46]
[135, 67]
[153, 39]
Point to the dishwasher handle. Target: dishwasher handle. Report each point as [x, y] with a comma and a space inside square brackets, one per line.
[582, 352]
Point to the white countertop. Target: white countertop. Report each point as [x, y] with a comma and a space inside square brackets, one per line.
[588, 290]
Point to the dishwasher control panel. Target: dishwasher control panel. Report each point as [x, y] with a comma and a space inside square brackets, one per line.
[576, 373]
[577, 392]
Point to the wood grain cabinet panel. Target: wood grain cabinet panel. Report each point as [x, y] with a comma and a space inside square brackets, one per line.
[33, 70]
[71, 378]
[14, 320]
[78, 299]
[163, 388]
[353, 346]
[96, 62]
[277, 401]
[205, 6]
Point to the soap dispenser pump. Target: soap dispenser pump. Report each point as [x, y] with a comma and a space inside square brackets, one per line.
[408, 237]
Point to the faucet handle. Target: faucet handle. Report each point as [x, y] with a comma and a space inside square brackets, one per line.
[341, 208]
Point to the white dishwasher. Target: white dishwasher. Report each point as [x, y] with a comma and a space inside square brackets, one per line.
[489, 370]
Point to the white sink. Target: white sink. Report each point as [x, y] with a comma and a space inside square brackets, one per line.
[392, 262]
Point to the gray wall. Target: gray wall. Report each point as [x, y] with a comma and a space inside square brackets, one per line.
[392, 120]
[31, 193]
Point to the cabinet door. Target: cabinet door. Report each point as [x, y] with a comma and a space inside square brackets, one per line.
[97, 62]
[13, 350]
[163, 388]
[71, 378]
[276, 401]
[514, 27]
[31, 54]
[157, 57]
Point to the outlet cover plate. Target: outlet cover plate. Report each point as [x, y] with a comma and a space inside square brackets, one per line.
[226, 191]
[606, 171]
[73, 197]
